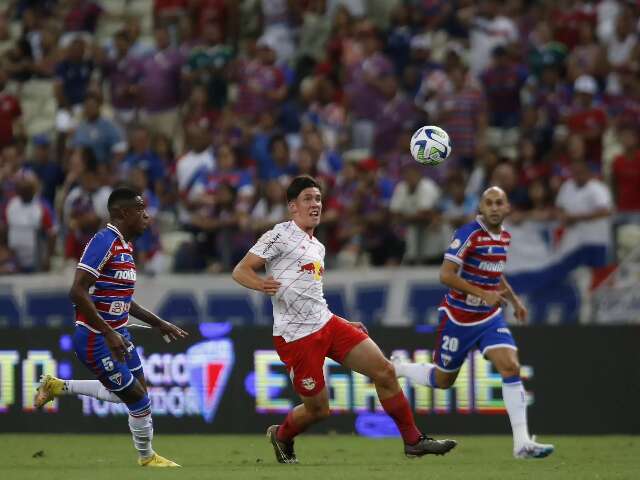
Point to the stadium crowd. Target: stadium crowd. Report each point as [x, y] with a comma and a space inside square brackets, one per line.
[210, 107]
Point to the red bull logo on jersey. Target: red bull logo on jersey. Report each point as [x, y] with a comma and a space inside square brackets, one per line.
[314, 268]
[210, 364]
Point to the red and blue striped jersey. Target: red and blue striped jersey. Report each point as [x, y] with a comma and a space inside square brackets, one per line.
[482, 256]
[109, 257]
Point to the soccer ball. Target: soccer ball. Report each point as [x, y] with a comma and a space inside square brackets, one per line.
[430, 145]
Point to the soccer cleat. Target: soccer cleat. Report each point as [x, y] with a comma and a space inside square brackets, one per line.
[283, 450]
[50, 387]
[429, 446]
[156, 460]
[532, 449]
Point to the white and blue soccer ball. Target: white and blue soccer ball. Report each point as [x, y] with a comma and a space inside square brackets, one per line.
[430, 145]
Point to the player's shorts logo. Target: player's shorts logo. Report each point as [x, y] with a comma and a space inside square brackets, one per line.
[210, 364]
[314, 268]
[504, 330]
[308, 383]
[116, 378]
[445, 359]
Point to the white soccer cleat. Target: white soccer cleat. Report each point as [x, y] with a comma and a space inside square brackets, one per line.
[532, 449]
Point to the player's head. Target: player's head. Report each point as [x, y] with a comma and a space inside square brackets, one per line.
[304, 200]
[494, 206]
[126, 207]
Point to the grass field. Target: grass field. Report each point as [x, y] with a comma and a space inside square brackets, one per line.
[97, 457]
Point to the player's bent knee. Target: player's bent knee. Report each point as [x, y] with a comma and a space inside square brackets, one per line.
[318, 412]
[385, 375]
[445, 383]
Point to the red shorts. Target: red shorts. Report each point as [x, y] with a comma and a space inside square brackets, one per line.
[304, 358]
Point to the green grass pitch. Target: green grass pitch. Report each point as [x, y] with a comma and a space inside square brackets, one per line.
[325, 457]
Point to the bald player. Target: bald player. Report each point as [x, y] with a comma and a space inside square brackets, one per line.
[471, 316]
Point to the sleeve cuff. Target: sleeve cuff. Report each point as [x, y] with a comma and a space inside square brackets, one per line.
[89, 269]
[453, 258]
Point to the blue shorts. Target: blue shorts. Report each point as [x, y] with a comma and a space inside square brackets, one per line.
[92, 350]
[455, 340]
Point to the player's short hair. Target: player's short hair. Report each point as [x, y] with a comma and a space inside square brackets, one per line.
[121, 196]
[298, 184]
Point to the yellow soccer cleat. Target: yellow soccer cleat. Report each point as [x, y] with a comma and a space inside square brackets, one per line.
[50, 387]
[156, 461]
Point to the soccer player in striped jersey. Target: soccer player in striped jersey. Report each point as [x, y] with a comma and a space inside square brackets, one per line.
[471, 317]
[305, 331]
[102, 293]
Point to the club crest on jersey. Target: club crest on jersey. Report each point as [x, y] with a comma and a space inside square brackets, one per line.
[446, 359]
[308, 383]
[116, 378]
[210, 364]
[456, 243]
[314, 268]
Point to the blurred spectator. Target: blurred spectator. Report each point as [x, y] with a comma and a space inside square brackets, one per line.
[585, 209]
[159, 84]
[141, 156]
[625, 173]
[586, 118]
[489, 28]
[222, 225]
[505, 176]
[271, 208]
[85, 207]
[462, 112]
[120, 71]
[204, 190]
[456, 207]
[31, 229]
[396, 113]
[191, 167]
[98, 133]
[261, 83]
[47, 169]
[73, 75]
[588, 57]
[206, 65]
[502, 83]
[11, 128]
[414, 208]
[364, 87]
[198, 111]
[82, 16]
[622, 46]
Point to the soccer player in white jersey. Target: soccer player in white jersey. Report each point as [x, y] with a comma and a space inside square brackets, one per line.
[471, 317]
[305, 331]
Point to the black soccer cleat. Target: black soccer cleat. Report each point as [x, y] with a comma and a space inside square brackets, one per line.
[429, 446]
[283, 450]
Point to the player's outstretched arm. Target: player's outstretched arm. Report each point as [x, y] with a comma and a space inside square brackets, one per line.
[79, 295]
[520, 310]
[168, 330]
[449, 277]
[245, 273]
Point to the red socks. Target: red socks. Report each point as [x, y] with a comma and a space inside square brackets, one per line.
[398, 409]
[288, 429]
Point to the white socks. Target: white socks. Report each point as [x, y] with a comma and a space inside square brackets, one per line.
[515, 399]
[418, 373]
[142, 433]
[90, 388]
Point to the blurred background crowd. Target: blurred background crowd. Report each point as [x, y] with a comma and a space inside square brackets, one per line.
[210, 107]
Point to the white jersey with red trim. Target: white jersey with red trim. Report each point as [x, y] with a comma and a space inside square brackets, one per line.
[296, 260]
[482, 256]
